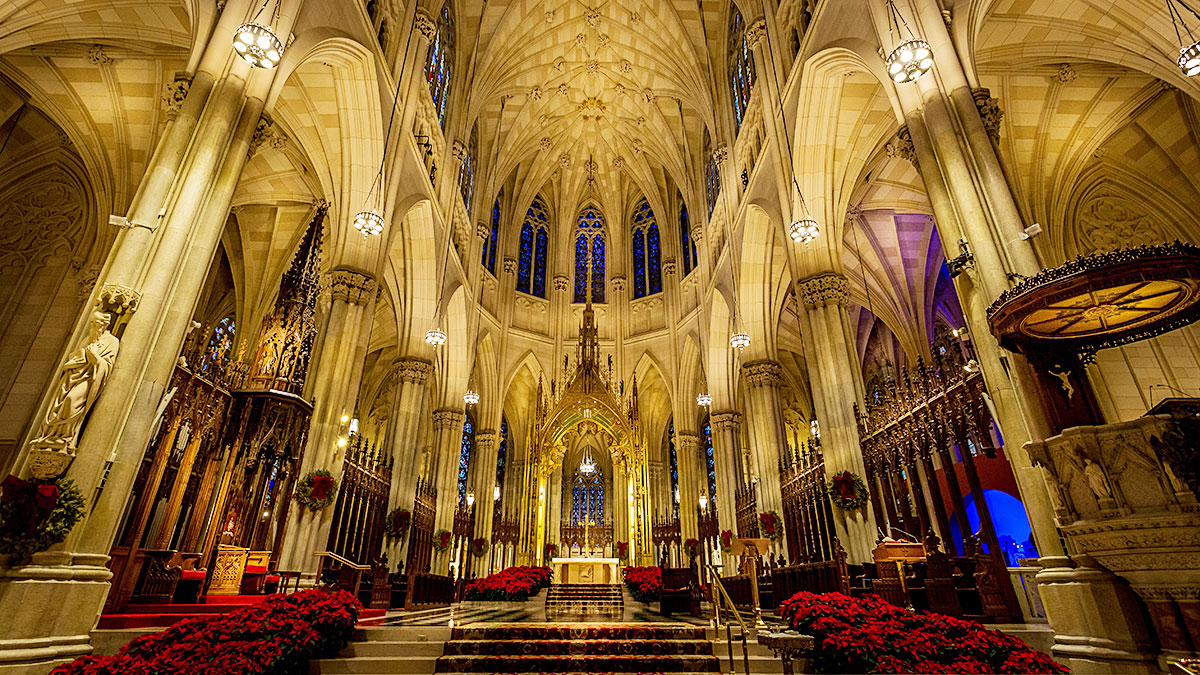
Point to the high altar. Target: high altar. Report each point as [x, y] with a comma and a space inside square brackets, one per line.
[585, 570]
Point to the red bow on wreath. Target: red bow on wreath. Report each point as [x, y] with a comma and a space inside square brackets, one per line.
[844, 484]
[321, 485]
[32, 504]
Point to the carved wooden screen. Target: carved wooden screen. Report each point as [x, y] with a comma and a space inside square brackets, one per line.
[420, 533]
[747, 511]
[357, 530]
[807, 514]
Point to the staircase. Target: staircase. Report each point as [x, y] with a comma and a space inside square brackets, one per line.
[578, 648]
[584, 599]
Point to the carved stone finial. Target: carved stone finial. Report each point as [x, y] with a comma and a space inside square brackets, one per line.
[756, 33]
[824, 289]
[349, 286]
[902, 147]
[989, 111]
[425, 25]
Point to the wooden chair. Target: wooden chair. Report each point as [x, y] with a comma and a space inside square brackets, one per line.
[191, 580]
[158, 577]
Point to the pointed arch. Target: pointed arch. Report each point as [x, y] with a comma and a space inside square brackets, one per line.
[531, 262]
[647, 251]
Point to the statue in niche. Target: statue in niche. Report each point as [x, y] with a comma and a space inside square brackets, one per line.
[79, 383]
[1096, 480]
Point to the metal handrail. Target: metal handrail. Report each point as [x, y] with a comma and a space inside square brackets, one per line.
[358, 569]
[716, 578]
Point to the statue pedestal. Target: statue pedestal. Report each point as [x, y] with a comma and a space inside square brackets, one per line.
[585, 570]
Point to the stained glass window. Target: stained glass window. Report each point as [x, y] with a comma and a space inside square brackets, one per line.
[590, 229]
[741, 66]
[712, 465]
[464, 457]
[220, 347]
[466, 173]
[493, 240]
[439, 63]
[502, 456]
[673, 464]
[647, 253]
[686, 246]
[712, 174]
[587, 497]
[531, 267]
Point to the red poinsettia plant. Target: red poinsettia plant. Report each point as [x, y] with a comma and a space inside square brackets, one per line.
[316, 490]
[442, 539]
[274, 637]
[397, 522]
[847, 491]
[644, 583]
[726, 541]
[622, 549]
[479, 546]
[769, 524]
[509, 584]
[870, 635]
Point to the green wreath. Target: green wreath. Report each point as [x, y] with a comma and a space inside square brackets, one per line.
[442, 539]
[847, 491]
[317, 490]
[397, 522]
[36, 515]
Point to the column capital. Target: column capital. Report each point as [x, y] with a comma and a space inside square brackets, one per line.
[459, 150]
[425, 25]
[824, 289]
[618, 284]
[350, 286]
[448, 419]
[482, 230]
[413, 369]
[118, 299]
[562, 282]
[721, 153]
[726, 421]
[686, 442]
[763, 373]
[901, 147]
[510, 265]
[756, 33]
[990, 112]
[175, 93]
[669, 267]
[486, 440]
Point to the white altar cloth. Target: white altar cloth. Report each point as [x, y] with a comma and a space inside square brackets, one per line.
[585, 570]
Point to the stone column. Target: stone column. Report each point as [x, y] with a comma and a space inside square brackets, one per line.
[687, 455]
[333, 386]
[403, 437]
[482, 481]
[837, 387]
[447, 448]
[768, 432]
[726, 432]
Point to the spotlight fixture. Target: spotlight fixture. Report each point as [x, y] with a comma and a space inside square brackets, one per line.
[804, 231]
[435, 337]
[369, 223]
[496, 493]
[962, 334]
[704, 400]
[258, 45]
[470, 499]
[1189, 50]
[913, 57]
[471, 397]
[703, 502]
[971, 366]
[814, 428]
[739, 340]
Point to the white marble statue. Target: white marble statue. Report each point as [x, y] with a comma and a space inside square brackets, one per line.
[79, 383]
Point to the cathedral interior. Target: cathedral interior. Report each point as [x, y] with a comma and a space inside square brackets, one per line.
[394, 295]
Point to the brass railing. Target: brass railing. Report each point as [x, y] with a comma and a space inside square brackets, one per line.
[719, 592]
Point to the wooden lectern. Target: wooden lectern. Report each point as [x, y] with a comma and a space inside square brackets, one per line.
[892, 558]
[750, 550]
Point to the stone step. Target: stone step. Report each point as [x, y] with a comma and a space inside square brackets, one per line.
[577, 631]
[559, 663]
[393, 665]
[398, 648]
[578, 647]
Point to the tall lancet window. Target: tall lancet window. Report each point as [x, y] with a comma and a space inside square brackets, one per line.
[741, 65]
[687, 247]
[493, 240]
[466, 173]
[647, 252]
[587, 494]
[531, 268]
[712, 173]
[673, 465]
[589, 255]
[706, 439]
[439, 63]
[464, 457]
[501, 462]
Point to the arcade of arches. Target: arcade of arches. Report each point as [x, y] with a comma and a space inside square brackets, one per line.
[465, 285]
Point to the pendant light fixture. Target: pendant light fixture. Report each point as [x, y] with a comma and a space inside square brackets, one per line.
[1189, 49]
[256, 42]
[913, 57]
[704, 400]
[471, 397]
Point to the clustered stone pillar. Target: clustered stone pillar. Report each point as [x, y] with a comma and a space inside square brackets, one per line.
[688, 463]
[837, 385]
[726, 430]
[408, 397]
[768, 432]
[337, 370]
[483, 483]
[447, 449]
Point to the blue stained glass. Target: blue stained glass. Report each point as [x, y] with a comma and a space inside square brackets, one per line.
[673, 463]
[502, 453]
[598, 278]
[654, 261]
[741, 66]
[712, 174]
[581, 269]
[439, 63]
[685, 240]
[708, 457]
[587, 488]
[639, 264]
[525, 264]
[464, 457]
[489, 247]
[539, 264]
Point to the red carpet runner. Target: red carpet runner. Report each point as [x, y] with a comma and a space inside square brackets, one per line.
[578, 648]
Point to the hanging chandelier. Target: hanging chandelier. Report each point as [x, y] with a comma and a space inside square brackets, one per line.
[435, 337]
[739, 340]
[804, 231]
[257, 43]
[369, 223]
[704, 400]
[471, 397]
[587, 466]
[913, 57]
[1189, 50]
